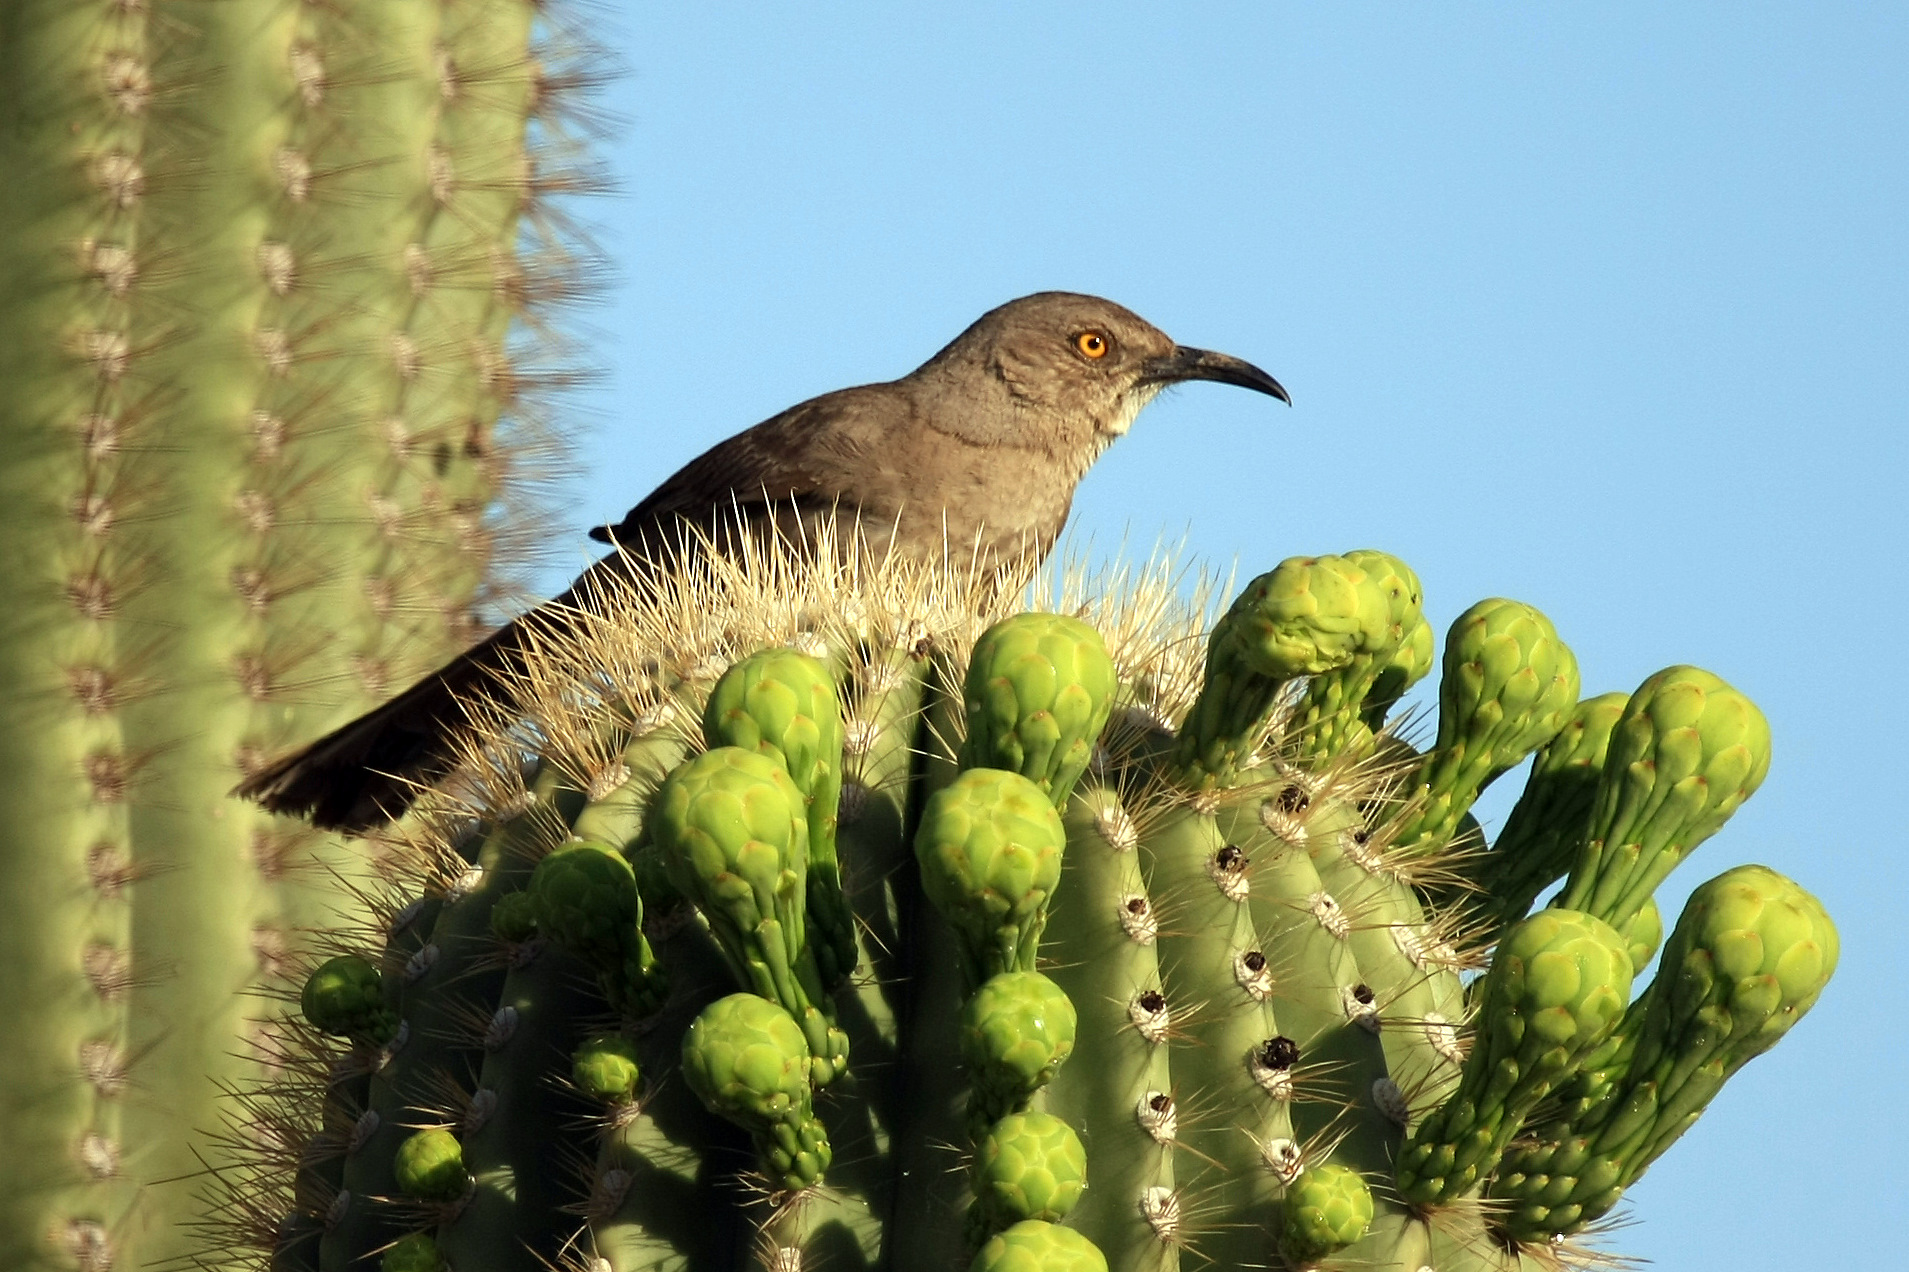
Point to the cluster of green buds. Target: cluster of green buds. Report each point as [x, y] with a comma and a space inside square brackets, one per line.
[978, 968]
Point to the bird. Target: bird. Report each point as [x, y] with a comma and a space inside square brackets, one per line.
[981, 446]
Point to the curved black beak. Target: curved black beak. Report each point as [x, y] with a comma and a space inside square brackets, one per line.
[1203, 364]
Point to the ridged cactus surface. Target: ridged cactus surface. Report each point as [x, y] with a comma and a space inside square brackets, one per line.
[1165, 953]
[260, 266]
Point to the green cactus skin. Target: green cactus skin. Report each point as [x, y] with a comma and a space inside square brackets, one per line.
[439, 1033]
[1688, 750]
[1327, 1209]
[1557, 987]
[1017, 1029]
[1509, 685]
[746, 1058]
[1038, 692]
[990, 848]
[782, 703]
[1027, 1166]
[1103, 938]
[1751, 954]
[734, 833]
[1035, 1245]
[1265, 1001]
[260, 263]
[1546, 826]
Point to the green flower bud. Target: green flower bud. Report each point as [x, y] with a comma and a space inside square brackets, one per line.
[733, 830]
[1547, 826]
[1028, 1166]
[1327, 1209]
[990, 848]
[345, 998]
[1331, 718]
[1558, 985]
[1508, 686]
[415, 1253]
[1410, 663]
[1309, 616]
[1687, 751]
[1038, 692]
[1644, 935]
[747, 1061]
[1035, 1245]
[782, 704]
[1016, 1029]
[430, 1167]
[586, 902]
[604, 1069]
[1751, 953]
[514, 917]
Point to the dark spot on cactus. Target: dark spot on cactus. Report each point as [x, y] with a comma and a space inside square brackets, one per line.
[922, 647]
[1361, 836]
[1136, 905]
[1230, 858]
[1292, 801]
[1254, 961]
[1279, 1053]
[441, 458]
[1153, 1001]
[1363, 992]
[1160, 1102]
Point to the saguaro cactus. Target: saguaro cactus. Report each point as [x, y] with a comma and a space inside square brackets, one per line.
[259, 269]
[1191, 999]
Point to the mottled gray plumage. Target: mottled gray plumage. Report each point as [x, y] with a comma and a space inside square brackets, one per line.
[980, 447]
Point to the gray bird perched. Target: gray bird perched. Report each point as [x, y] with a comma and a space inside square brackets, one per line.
[980, 447]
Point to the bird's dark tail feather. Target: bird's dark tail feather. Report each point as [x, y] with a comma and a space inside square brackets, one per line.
[366, 773]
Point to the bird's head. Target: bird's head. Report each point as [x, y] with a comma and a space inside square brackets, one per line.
[1078, 366]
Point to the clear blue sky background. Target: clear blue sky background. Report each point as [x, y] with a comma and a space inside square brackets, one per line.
[1603, 307]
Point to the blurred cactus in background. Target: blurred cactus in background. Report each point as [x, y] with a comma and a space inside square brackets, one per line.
[271, 290]
[1160, 952]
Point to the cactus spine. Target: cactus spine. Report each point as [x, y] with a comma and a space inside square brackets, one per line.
[262, 263]
[1119, 998]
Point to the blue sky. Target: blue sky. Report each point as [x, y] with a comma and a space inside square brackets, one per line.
[1605, 309]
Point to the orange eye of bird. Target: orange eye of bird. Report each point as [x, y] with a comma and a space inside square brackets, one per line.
[1092, 344]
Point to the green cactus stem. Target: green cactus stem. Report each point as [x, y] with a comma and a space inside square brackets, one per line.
[259, 271]
[1688, 750]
